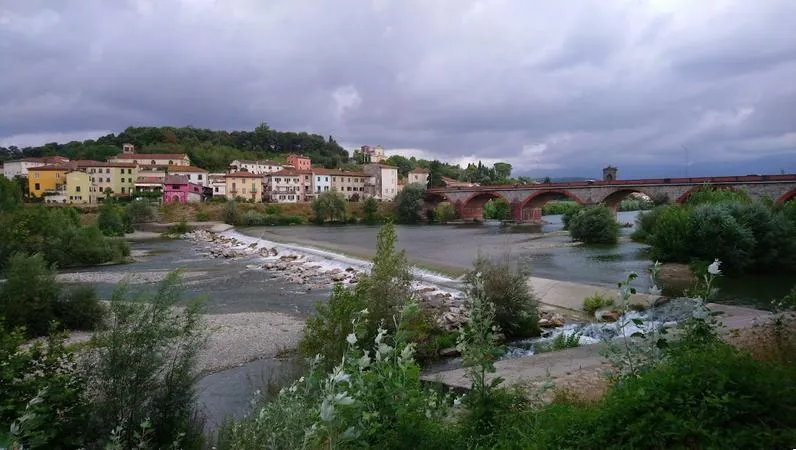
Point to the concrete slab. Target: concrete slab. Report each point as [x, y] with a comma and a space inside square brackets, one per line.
[568, 295]
[582, 363]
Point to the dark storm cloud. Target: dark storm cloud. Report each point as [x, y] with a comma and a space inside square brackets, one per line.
[547, 86]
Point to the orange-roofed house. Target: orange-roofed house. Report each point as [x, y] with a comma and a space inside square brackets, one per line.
[418, 175]
[47, 179]
[287, 186]
[244, 185]
[299, 162]
[194, 174]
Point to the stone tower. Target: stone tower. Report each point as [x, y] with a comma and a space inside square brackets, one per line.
[610, 173]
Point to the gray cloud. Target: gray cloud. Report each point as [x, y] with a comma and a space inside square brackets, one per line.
[548, 86]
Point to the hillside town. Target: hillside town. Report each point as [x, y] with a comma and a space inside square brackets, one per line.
[173, 178]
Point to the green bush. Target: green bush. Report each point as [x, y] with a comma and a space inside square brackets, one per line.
[635, 204]
[497, 209]
[10, 195]
[28, 296]
[202, 216]
[445, 212]
[252, 218]
[112, 220]
[139, 211]
[370, 210]
[79, 308]
[180, 227]
[707, 194]
[596, 302]
[143, 368]
[409, 203]
[516, 307]
[669, 238]
[569, 213]
[645, 224]
[595, 225]
[42, 392]
[330, 206]
[231, 213]
[555, 208]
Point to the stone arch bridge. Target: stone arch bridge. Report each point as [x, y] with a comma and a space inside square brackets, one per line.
[527, 200]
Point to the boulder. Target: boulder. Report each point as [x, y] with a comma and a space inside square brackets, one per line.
[449, 352]
[349, 269]
[607, 315]
[338, 277]
[253, 245]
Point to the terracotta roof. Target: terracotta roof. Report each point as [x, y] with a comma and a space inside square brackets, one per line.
[385, 166]
[243, 175]
[90, 163]
[151, 156]
[263, 162]
[419, 170]
[149, 180]
[54, 167]
[175, 168]
[43, 159]
[338, 172]
[288, 173]
[175, 179]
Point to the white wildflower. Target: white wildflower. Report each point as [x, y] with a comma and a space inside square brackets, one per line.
[301, 380]
[343, 398]
[713, 268]
[407, 352]
[351, 338]
[382, 332]
[327, 411]
[364, 361]
[364, 312]
[338, 375]
[457, 401]
[655, 290]
[384, 349]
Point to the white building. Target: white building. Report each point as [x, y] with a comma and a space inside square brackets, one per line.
[218, 183]
[258, 167]
[19, 167]
[372, 154]
[285, 186]
[321, 181]
[194, 174]
[386, 180]
[418, 175]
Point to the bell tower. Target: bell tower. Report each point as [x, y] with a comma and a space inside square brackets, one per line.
[610, 173]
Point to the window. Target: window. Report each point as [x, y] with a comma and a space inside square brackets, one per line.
[349, 189]
[325, 188]
[171, 162]
[319, 178]
[244, 190]
[199, 177]
[122, 190]
[107, 170]
[129, 171]
[173, 186]
[152, 162]
[77, 188]
[318, 189]
[107, 180]
[135, 161]
[327, 178]
[36, 187]
[216, 188]
[57, 174]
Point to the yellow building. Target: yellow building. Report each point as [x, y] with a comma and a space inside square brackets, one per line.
[46, 179]
[80, 189]
[118, 177]
[244, 185]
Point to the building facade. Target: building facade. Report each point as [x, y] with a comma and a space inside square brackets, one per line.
[47, 179]
[192, 173]
[177, 189]
[260, 167]
[80, 189]
[218, 184]
[287, 186]
[299, 162]
[354, 185]
[244, 185]
[20, 167]
[372, 154]
[152, 161]
[418, 175]
[386, 180]
[120, 178]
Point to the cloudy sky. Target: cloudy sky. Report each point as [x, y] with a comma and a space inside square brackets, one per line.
[657, 87]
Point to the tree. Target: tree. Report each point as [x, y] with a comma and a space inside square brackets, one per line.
[445, 212]
[409, 203]
[435, 174]
[28, 296]
[497, 209]
[370, 210]
[502, 170]
[10, 195]
[330, 206]
[595, 225]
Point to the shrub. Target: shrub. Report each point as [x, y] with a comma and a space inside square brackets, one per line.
[715, 233]
[28, 296]
[370, 210]
[507, 288]
[445, 212]
[383, 293]
[231, 212]
[497, 209]
[670, 237]
[566, 217]
[202, 216]
[79, 308]
[409, 203]
[10, 195]
[595, 302]
[708, 194]
[139, 211]
[595, 225]
[111, 219]
[180, 227]
[330, 206]
[645, 224]
[41, 392]
[143, 368]
[252, 218]
[554, 208]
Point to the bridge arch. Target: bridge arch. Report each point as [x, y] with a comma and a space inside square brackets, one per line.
[684, 198]
[472, 208]
[530, 209]
[613, 199]
[786, 197]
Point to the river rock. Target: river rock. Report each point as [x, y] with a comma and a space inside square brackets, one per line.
[253, 245]
[607, 315]
[268, 266]
[426, 290]
[338, 277]
[274, 252]
[349, 269]
[449, 352]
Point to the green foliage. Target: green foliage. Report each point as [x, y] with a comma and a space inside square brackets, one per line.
[57, 235]
[710, 195]
[202, 216]
[445, 212]
[515, 305]
[252, 218]
[435, 174]
[79, 308]
[564, 207]
[635, 204]
[593, 303]
[29, 295]
[179, 228]
[383, 293]
[497, 209]
[370, 210]
[143, 368]
[409, 203]
[330, 206]
[10, 195]
[562, 341]
[231, 212]
[112, 220]
[594, 225]
[139, 211]
[41, 392]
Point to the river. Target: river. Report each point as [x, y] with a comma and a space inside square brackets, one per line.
[233, 286]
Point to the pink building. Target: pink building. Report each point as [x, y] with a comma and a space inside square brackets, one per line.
[299, 162]
[177, 189]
